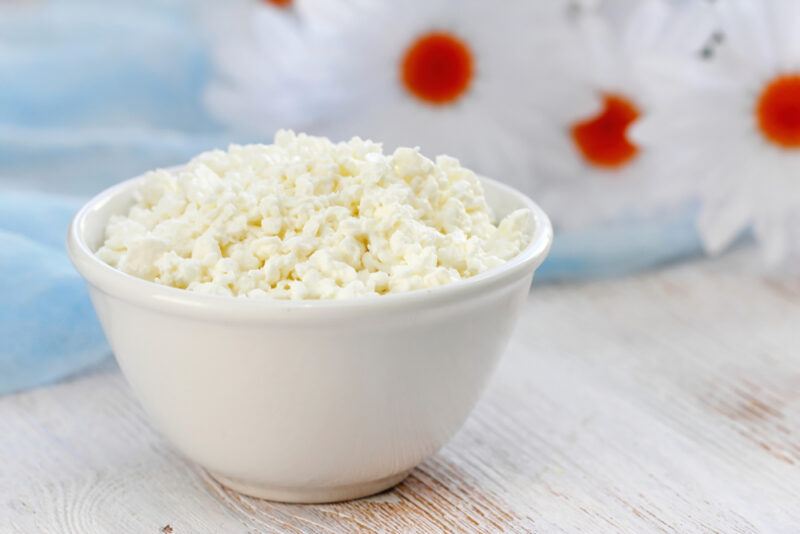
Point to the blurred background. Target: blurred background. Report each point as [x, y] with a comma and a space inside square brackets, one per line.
[650, 130]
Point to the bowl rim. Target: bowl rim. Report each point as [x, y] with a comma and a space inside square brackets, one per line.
[166, 298]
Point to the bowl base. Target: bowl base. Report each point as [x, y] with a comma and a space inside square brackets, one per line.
[310, 495]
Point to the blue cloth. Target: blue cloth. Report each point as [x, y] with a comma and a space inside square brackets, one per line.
[93, 92]
[47, 326]
[623, 247]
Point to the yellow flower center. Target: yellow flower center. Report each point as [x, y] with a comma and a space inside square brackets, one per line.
[602, 140]
[279, 3]
[437, 68]
[778, 111]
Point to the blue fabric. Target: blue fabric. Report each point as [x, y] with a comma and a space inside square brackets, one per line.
[93, 92]
[47, 326]
[621, 248]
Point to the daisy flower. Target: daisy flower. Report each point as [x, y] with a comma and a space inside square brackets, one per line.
[464, 78]
[597, 171]
[733, 128]
[246, 40]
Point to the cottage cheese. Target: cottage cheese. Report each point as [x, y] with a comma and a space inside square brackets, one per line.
[305, 218]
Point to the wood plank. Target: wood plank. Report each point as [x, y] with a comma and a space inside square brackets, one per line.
[668, 402]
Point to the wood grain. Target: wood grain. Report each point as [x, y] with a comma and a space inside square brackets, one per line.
[669, 402]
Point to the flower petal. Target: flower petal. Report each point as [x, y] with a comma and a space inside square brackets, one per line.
[723, 220]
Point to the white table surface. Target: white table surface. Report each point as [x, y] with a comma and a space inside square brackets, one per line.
[668, 402]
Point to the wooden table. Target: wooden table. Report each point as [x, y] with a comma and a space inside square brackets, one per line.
[669, 402]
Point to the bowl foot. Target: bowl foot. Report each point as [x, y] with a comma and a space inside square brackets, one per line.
[311, 495]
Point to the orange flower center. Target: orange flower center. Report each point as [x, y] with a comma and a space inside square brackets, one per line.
[602, 140]
[778, 111]
[279, 3]
[437, 68]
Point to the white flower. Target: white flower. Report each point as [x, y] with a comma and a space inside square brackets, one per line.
[597, 171]
[732, 129]
[470, 78]
[254, 45]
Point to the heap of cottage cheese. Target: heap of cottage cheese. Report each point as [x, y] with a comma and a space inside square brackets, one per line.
[305, 218]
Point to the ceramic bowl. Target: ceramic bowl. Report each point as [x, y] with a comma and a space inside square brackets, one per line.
[307, 401]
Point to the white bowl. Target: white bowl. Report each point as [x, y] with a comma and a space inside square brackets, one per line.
[307, 401]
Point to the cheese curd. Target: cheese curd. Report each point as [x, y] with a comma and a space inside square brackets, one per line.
[305, 218]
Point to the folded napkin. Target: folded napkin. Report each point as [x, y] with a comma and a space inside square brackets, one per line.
[622, 247]
[91, 93]
[47, 326]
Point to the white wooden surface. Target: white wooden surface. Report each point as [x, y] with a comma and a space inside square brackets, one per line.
[664, 403]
